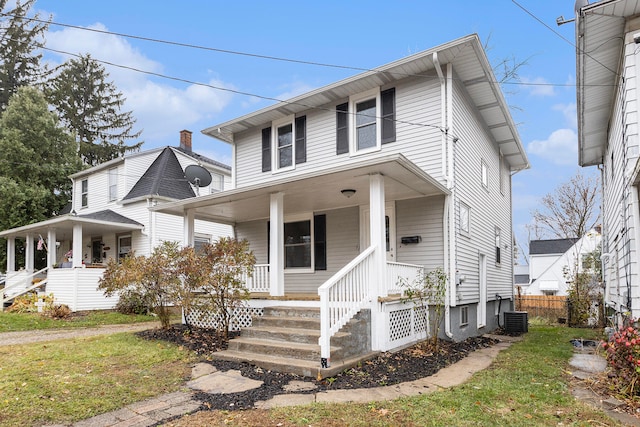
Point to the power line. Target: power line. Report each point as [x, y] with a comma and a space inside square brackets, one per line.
[268, 57]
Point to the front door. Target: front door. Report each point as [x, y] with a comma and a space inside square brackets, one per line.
[389, 229]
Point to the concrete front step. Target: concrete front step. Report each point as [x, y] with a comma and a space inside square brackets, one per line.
[307, 368]
[287, 334]
[310, 312]
[295, 350]
[286, 322]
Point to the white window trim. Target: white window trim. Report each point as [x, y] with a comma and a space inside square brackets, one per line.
[112, 173]
[466, 207]
[484, 174]
[353, 100]
[299, 218]
[289, 120]
[464, 312]
[82, 193]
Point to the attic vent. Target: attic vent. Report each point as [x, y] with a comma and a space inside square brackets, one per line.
[516, 322]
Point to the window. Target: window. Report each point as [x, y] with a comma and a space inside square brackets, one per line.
[124, 245]
[464, 316]
[297, 244]
[200, 240]
[217, 183]
[497, 245]
[290, 139]
[113, 184]
[84, 193]
[304, 250]
[372, 121]
[465, 218]
[484, 171]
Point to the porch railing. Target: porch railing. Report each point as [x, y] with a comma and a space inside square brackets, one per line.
[22, 286]
[259, 282]
[341, 297]
[399, 273]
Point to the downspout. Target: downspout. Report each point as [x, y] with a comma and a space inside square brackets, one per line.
[449, 211]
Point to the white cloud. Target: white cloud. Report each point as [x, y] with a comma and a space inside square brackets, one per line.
[569, 113]
[560, 148]
[539, 86]
[160, 108]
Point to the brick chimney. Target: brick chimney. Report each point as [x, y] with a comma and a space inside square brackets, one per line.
[185, 140]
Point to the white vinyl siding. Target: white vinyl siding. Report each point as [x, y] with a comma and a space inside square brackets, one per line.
[490, 209]
[421, 217]
[417, 101]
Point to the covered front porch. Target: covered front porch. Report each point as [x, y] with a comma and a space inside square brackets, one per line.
[343, 237]
[75, 249]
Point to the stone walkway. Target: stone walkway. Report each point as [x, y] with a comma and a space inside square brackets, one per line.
[207, 379]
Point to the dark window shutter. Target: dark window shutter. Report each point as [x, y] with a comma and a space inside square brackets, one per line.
[320, 241]
[301, 139]
[342, 128]
[266, 149]
[388, 99]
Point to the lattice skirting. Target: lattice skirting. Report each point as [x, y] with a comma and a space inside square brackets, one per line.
[405, 324]
[242, 318]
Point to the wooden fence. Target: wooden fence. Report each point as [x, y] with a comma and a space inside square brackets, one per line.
[551, 307]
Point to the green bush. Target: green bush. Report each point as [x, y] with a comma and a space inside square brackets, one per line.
[133, 302]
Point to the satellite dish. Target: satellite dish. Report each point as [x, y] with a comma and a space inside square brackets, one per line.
[197, 175]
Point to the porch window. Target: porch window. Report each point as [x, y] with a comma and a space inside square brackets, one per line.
[297, 244]
[124, 246]
[284, 144]
[371, 116]
[84, 193]
[113, 184]
[200, 240]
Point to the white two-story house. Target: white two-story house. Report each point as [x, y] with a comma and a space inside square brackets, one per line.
[608, 90]
[109, 217]
[346, 189]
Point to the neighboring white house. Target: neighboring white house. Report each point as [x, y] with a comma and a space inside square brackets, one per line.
[109, 216]
[553, 262]
[608, 60]
[521, 278]
[343, 190]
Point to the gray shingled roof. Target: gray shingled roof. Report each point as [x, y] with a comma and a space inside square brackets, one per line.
[202, 158]
[552, 246]
[110, 216]
[164, 177]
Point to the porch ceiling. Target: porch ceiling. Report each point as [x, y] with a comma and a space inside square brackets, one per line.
[63, 226]
[313, 192]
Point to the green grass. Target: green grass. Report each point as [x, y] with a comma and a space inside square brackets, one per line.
[70, 380]
[31, 321]
[526, 386]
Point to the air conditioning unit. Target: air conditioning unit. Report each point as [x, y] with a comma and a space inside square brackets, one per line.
[516, 322]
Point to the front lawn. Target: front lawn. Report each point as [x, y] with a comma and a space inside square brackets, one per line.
[10, 322]
[69, 380]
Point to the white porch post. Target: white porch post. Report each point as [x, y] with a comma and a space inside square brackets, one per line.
[189, 224]
[51, 246]
[377, 238]
[276, 248]
[77, 245]
[11, 254]
[28, 253]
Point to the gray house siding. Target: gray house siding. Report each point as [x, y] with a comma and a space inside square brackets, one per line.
[422, 217]
[490, 207]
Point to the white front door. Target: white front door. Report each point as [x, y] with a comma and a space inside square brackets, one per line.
[389, 228]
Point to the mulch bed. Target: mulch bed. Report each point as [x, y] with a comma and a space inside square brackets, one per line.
[386, 369]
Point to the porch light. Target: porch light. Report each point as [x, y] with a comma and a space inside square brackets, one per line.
[348, 192]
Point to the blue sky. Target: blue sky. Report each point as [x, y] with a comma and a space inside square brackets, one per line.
[347, 33]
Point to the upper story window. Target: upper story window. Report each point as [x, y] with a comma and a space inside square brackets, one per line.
[284, 144]
[217, 183]
[484, 174]
[113, 184]
[84, 193]
[498, 260]
[366, 122]
[465, 218]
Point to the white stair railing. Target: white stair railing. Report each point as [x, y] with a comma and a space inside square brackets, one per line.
[21, 287]
[259, 281]
[342, 297]
[399, 273]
